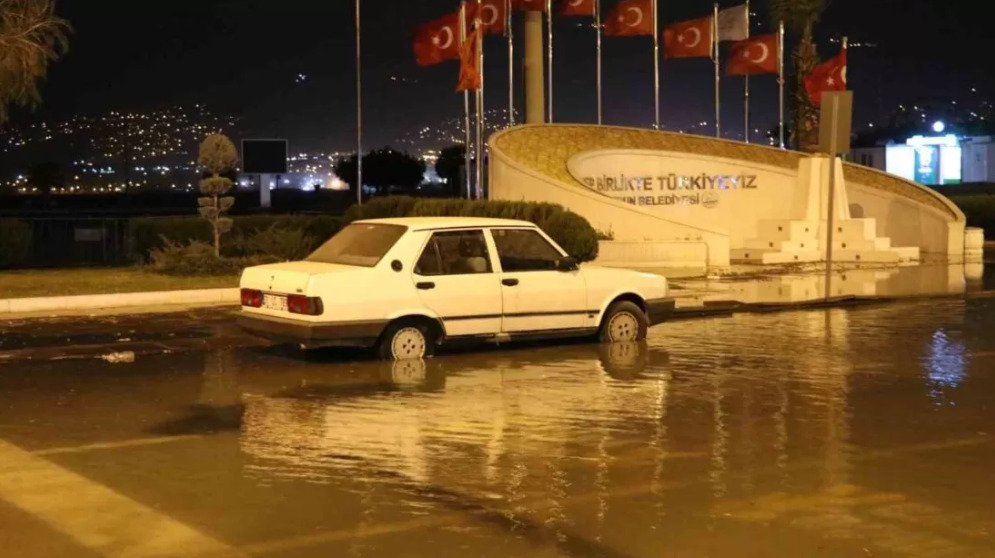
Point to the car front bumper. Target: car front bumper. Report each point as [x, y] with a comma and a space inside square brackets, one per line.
[312, 334]
[659, 309]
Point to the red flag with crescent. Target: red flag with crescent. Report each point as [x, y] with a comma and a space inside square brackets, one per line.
[577, 8]
[828, 76]
[630, 18]
[753, 56]
[688, 39]
[529, 5]
[493, 18]
[437, 41]
[469, 64]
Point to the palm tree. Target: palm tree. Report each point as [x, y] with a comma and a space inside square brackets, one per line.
[800, 17]
[31, 37]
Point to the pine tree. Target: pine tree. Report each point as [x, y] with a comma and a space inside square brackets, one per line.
[217, 156]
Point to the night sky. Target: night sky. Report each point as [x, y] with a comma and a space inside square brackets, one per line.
[244, 57]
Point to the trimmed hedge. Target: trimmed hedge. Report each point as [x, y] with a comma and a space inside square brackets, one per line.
[147, 233]
[15, 242]
[569, 230]
[979, 210]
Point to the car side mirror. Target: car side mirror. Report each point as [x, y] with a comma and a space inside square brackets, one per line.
[568, 263]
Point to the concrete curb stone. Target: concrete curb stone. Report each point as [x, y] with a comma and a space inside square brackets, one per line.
[200, 297]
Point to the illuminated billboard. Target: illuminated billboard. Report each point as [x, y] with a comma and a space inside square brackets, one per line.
[931, 161]
[264, 156]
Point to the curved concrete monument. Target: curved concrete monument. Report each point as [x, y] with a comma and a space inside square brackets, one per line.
[672, 199]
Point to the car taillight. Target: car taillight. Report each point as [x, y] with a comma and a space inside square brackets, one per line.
[300, 304]
[252, 297]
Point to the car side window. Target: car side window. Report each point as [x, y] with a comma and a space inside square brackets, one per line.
[454, 253]
[524, 250]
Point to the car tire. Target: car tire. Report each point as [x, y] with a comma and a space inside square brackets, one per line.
[406, 340]
[624, 321]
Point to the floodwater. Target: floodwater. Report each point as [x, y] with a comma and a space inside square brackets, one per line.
[846, 432]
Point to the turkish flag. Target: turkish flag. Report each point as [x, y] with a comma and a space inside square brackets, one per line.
[630, 18]
[437, 40]
[469, 64]
[828, 76]
[577, 8]
[529, 5]
[688, 39]
[493, 17]
[753, 56]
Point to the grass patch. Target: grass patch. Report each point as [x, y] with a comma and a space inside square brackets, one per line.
[71, 282]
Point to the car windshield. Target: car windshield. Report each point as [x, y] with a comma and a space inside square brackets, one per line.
[358, 244]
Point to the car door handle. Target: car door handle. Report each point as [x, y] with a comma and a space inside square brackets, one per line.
[509, 282]
[426, 285]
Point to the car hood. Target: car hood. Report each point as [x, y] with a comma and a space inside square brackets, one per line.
[650, 285]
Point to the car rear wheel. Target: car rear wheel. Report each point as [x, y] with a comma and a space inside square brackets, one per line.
[406, 340]
[623, 322]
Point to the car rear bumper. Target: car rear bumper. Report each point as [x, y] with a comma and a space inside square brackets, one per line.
[658, 310]
[311, 334]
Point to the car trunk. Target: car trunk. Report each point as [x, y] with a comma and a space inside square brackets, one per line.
[290, 278]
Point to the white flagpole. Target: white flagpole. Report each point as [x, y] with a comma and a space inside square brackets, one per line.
[780, 82]
[466, 110]
[715, 46]
[359, 111]
[511, 62]
[597, 30]
[549, 55]
[746, 87]
[480, 109]
[656, 68]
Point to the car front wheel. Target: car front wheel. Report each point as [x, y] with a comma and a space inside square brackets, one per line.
[402, 341]
[624, 321]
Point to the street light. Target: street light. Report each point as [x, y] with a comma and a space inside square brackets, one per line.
[939, 126]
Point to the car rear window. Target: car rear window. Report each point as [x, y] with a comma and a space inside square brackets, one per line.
[359, 244]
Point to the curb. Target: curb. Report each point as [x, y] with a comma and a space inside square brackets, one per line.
[201, 297]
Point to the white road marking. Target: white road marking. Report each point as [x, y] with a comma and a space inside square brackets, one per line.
[95, 516]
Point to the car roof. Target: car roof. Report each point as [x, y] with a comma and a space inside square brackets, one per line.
[429, 223]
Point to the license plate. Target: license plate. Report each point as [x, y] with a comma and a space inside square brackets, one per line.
[275, 302]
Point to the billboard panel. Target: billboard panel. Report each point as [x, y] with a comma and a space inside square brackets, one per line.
[264, 156]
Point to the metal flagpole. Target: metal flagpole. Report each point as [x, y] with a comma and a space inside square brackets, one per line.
[656, 68]
[466, 110]
[511, 63]
[549, 55]
[597, 30]
[715, 58]
[746, 86]
[359, 111]
[480, 110]
[780, 82]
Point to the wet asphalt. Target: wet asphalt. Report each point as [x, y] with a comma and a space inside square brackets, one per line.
[864, 431]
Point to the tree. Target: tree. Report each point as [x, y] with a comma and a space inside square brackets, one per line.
[31, 37]
[383, 169]
[448, 166]
[218, 157]
[800, 17]
[45, 176]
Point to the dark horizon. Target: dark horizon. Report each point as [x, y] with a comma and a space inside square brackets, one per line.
[247, 58]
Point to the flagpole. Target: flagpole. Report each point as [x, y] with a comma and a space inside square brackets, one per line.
[656, 68]
[715, 46]
[480, 109]
[466, 109]
[549, 55]
[359, 110]
[511, 63]
[597, 29]
[746, 86]
[780, 82]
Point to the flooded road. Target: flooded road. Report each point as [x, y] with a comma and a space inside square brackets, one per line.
[845, 432]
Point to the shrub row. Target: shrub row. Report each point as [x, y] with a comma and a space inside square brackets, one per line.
[571, 231]
[15, 243]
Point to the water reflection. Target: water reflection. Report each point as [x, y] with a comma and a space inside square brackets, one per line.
[746, 419]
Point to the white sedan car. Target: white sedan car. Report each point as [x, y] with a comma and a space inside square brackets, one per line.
[405, 286]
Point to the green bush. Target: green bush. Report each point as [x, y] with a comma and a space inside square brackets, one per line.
[569, 230]
[15, 242]
[197, 258]
[283, 243]
[979, 210]
[148, 233]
